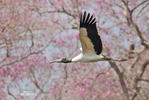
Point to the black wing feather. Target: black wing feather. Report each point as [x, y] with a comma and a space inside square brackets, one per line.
[90, 24]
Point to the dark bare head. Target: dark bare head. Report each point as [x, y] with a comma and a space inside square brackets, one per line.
[62, 60]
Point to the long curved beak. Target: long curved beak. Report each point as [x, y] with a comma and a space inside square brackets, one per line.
[56, 61]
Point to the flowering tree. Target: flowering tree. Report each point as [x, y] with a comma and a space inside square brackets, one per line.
[34, 32]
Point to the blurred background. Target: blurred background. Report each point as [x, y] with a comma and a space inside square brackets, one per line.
[35, 32]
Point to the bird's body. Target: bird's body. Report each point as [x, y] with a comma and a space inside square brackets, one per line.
[90, 41]
[87, 58]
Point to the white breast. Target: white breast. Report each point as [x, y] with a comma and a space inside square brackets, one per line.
[78, 58]
[87, 58]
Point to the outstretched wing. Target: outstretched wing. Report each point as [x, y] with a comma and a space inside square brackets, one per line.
[90, 40]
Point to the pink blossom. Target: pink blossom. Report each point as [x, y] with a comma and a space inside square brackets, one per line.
[57, 21]
[114, 37]
[109, 53]
[10, 59]
[38, 45]
[1, 6]
[2, 85]
[21, 65]
[17, 70]
[53, 91]
[81, 91]
[68, 37]
[59, 3]
[118, 95]
[26, 9]
[111, 82]
[93, 14]
[54, 41]
[32, 62]
[43, 35]
[148, 90]
[44, 57]
[133, 1]
[35, 1]
[145, 78]
[27, 17]
[108, 93]
[107, 33]
[77, 35]
[61, 42]
[146, 18]
[74, 1]
[99, 1]
[109, 1]
[118, 0]
[122, 12]
[5, 71]
[70, 46]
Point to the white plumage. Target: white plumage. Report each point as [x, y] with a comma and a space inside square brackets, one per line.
[87, 58]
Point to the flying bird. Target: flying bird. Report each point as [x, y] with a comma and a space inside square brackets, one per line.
[91, 43]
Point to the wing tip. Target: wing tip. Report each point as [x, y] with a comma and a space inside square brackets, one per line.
[87, 19]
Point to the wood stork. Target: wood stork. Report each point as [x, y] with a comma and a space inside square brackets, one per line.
[90, 42]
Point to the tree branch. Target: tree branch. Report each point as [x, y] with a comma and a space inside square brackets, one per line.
[144, 80]
[137, 79]
[121, 78]
[28, 55]
[143, 8]
[130, 21]
[34, 80]
[65, 80]
[9, 93]
[139, 5]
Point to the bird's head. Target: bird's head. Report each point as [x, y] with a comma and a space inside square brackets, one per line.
[62, 60]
